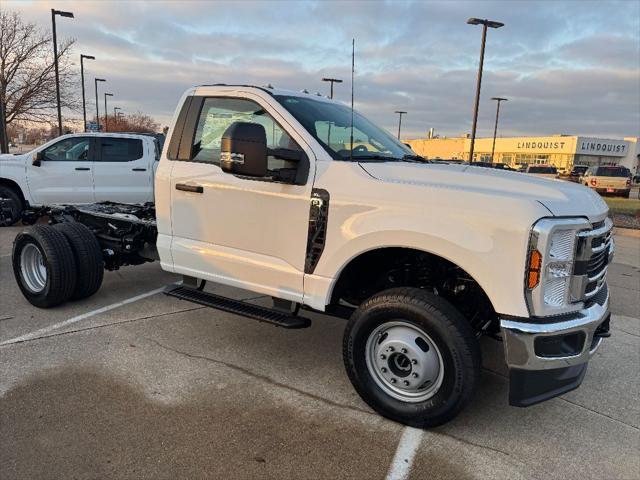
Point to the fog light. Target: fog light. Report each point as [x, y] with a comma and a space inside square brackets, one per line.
[560, 345]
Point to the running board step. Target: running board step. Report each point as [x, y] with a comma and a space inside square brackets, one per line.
[262, 314]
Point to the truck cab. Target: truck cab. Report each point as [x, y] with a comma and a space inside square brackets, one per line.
[81, 168]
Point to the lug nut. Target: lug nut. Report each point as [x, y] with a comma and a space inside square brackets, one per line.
[391, 349]
[383, 370]
[406, 384]
[414, 361]
[403, 350]
[393, 380]
[414, 375]
[383, 356]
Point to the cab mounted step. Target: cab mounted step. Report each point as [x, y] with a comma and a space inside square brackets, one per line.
[273, 316]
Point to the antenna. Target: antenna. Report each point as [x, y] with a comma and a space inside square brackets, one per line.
[353, 63]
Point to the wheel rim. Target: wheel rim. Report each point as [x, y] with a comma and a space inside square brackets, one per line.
[32, 268]
[404, 361]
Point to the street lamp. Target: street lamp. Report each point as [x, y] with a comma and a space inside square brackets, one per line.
[400, 113]
[115, 112]
[332, 80]
[55, 60]
[84, 107]
[96, 80]
[106, 112]
[485, 24]
[495, 128]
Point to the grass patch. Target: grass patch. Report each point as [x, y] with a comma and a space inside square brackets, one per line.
[628, 206]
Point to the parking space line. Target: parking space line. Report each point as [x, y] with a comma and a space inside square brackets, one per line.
[78, 318]
[405, 453]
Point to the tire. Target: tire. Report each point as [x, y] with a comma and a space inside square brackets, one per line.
[13, 214]
[88, 257]
[437, 323]
[51, 280]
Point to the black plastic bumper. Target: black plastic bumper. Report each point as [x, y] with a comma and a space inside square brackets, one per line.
[528, 387]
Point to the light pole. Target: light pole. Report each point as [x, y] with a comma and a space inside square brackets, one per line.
[485, 24]
[400, 113]
[55, 60]
[96, 80]
[106, 112]
[332, 80]
[84, 107]
[116, 114]
[495, 128]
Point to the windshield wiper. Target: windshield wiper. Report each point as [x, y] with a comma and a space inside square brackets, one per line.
[415, 158]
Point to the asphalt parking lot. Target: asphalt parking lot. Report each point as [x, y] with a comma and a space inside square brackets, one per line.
[133, 384]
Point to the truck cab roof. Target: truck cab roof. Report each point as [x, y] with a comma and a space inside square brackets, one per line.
[268, 89]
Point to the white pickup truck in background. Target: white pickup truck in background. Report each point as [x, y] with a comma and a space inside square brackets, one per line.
[80, 168]
[296, 197]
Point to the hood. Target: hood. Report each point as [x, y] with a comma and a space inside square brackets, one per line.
[12, 156]
[560, 197]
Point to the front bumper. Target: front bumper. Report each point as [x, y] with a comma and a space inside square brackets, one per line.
[547, 359]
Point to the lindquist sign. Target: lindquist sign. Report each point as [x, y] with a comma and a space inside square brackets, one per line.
[542, 144]
[598, 146]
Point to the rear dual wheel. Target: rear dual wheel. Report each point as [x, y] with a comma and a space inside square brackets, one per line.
[55, 264]
[412, 357]
[88, 258]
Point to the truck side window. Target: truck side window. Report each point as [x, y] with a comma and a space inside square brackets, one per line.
[218, 113]
[68, 150]
[120, 149]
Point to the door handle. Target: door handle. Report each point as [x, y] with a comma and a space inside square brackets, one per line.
[83, 168]
[189, 188]
[139, 169]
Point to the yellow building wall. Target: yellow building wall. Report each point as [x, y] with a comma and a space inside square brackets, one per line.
[439, 148]
[555, 150]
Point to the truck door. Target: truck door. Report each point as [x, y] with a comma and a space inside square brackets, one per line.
[248, 233]
[65, 174]
[123, 170]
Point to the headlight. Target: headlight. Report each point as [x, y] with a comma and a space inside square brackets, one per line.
[552, 251]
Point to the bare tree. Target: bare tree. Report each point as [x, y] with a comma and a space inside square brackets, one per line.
[136, 122]
[27, 76]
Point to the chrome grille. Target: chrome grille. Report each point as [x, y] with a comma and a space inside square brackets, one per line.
[594, 251]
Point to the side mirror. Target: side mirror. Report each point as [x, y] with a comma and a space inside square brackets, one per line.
[37, 159]
[243, 149]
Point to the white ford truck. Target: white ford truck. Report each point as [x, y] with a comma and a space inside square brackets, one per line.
[80, 168]
[283, 194]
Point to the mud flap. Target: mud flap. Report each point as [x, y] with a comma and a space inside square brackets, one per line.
[528, 387]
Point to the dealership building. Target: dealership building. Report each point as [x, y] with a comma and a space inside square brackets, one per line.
[562, 151]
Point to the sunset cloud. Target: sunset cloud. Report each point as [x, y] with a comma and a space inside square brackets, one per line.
[566, 67]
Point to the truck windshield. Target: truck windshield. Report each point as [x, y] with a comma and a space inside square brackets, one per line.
[330, 124]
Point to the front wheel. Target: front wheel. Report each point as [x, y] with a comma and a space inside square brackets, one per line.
[412, 357]
[11, 206]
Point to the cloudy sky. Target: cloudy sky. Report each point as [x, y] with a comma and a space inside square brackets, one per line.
[567, 67]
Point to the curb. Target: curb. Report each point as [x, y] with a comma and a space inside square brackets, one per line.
[626, 232]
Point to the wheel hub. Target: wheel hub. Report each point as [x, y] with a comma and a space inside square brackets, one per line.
[404, 361]
[32, 268]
